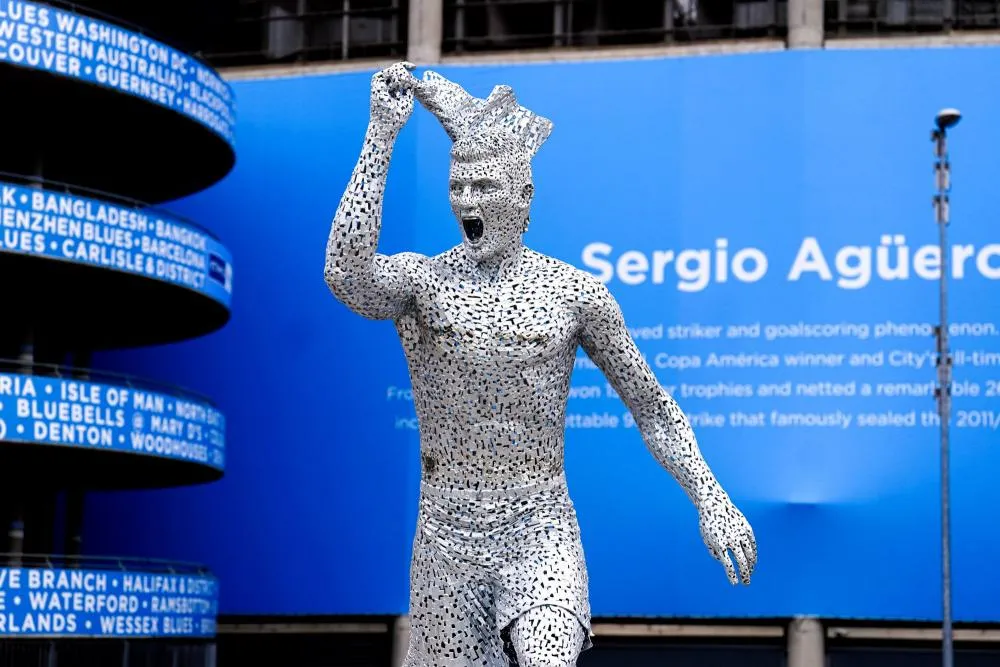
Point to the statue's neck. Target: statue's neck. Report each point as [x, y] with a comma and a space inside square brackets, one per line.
[500, 264]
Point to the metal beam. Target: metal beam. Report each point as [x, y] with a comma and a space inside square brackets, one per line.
[684, 630]
[301, 628]
[911, 634]
[612, 629]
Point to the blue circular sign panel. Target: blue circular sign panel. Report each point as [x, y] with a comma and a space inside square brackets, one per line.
[97, 233]
[75, 413]
[53, 40]
[57, 602]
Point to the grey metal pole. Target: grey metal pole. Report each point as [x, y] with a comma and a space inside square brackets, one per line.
[942, 176]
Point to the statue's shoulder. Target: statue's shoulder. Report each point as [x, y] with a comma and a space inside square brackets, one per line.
[562, 273]
[417, 265]
[580, 291]
[447, 260]
[430, 267]
[410, 259]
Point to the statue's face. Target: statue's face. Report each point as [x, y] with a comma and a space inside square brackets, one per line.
[490, 197]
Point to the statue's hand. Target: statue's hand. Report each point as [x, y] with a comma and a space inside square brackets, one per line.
[392, 96]
[725, 529]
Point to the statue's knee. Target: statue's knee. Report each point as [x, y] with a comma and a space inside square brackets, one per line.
[538, 655]
[544, 661]
[547, 637]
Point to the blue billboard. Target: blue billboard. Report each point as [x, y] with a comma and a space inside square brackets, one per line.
[66, 412]
[764, 221]
[72, 602]
[49, 39]
[138, 241]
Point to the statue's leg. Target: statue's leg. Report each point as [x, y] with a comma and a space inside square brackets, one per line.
[547, 636]
[542, 595]
[452, 622]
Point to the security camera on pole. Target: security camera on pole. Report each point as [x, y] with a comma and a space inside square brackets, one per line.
[946, 118]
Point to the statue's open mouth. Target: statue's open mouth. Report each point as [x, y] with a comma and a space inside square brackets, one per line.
[473, 226]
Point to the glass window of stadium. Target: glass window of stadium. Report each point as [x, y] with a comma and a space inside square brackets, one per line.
[295, 31]
[485, 25]
[238, 33]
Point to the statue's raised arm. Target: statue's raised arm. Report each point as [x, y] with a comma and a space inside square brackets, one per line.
[373, 285]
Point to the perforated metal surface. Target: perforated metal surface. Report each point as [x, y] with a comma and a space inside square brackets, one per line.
[490, 330]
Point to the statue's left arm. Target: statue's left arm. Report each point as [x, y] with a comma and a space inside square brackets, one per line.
[664, 427]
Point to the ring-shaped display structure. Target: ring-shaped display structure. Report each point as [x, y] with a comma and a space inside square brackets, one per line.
[123, 274]
[112, 431]
[51, 596]
[94, 103]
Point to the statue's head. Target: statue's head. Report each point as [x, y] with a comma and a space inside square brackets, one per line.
[490, 190]
[490, 182]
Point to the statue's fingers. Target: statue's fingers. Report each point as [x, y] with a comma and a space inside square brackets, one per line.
[400, 77]
[722, 555]
[750, 553]
[741, 560]
[727, 563]
[750, 548]
[401, 95]
[380, 83]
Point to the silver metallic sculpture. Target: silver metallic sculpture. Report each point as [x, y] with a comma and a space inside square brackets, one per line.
[490, 331]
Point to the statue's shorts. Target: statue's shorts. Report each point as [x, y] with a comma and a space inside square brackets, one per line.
[480, 560]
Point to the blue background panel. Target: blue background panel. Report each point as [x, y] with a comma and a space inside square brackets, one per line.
[812, 160]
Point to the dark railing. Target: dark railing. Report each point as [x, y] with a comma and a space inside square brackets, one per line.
[859, 17]
[108, 563]
[299, 31]
[106, 653]
[109, 377]
[498, 25]
[121, 200]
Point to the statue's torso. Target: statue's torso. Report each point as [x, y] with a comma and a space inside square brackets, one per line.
[490, 365]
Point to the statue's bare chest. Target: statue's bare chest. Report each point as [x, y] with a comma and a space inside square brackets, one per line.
[517, 321]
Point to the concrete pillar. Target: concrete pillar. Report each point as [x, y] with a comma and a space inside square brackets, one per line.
[805, 24]
[806, 645]
[426, 32]
[400, 640]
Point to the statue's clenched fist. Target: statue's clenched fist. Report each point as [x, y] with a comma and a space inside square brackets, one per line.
[392, 96]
